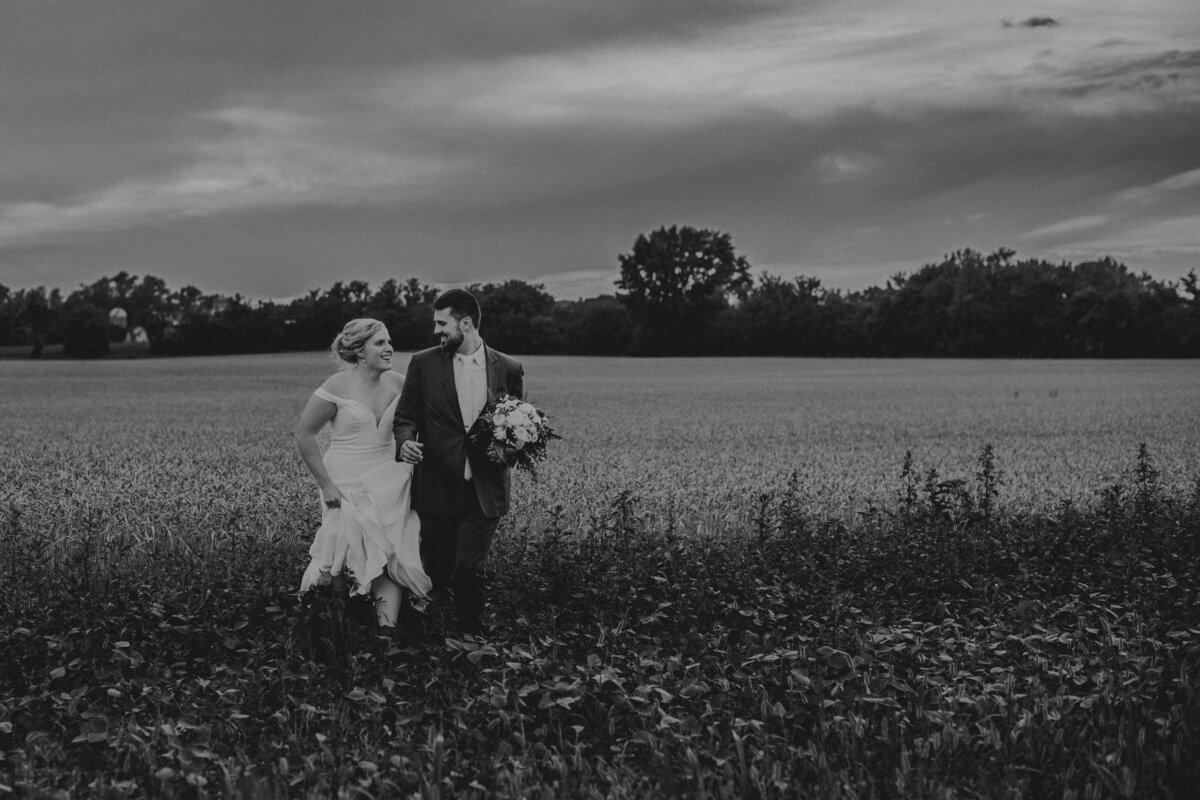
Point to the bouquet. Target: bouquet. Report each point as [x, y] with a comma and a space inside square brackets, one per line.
[511, 433]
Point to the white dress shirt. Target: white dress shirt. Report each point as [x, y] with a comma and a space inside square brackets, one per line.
[470, 382]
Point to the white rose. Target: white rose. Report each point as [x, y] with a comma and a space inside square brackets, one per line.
[521, 434]
[498, 420]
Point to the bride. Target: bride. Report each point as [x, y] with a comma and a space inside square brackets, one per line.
[370, 538]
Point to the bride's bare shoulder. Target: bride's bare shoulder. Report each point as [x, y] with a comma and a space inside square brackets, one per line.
[335, 383]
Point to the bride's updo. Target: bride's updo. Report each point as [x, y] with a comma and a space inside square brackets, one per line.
[348, 345]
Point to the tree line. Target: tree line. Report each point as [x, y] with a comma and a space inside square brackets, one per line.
[681, 291]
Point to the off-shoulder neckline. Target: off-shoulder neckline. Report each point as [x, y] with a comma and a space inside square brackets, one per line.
[378, 420]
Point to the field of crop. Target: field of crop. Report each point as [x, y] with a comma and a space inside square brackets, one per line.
[724, 583]
[698, 439]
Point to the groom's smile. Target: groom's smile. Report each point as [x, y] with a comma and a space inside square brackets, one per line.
[448, 330]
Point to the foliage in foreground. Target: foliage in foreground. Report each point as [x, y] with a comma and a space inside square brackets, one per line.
[939, 649]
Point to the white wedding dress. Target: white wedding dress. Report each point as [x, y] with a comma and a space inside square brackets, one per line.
[375, 530]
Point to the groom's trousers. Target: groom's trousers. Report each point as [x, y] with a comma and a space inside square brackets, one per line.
[455, 548]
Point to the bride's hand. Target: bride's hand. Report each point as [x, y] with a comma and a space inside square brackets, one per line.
[331, 497]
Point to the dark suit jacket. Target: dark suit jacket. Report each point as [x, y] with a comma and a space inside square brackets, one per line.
[428, 412]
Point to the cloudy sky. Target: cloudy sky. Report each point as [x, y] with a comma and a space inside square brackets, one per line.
[269, 148]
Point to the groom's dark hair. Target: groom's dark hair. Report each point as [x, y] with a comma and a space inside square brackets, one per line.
[461, 304]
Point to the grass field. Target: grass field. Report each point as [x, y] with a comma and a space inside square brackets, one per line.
[55, 351]
[721, 585]
[696, 441]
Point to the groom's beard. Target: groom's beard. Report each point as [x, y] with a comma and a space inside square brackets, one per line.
[449, 342]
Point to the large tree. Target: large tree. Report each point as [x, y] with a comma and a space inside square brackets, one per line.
[676, 282]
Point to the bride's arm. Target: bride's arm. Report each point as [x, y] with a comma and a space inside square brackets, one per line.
[315, 416]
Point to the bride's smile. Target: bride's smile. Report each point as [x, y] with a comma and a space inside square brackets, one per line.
[377, 352]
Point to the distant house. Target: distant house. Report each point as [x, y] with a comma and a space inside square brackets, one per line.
[172, 322]
[118, 318]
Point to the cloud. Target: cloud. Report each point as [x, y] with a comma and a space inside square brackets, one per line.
[1153, 227]
[1033, 22]
[842, 167]
[1103, 84]
[1068, 226]
[1181, 182]
[1168, 246]
[264, 158]
[579, 283]
[466, 141]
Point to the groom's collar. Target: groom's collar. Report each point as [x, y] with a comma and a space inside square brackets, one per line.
[483, 354]
[476, 358]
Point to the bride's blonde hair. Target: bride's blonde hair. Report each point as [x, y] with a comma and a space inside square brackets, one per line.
[348, 345]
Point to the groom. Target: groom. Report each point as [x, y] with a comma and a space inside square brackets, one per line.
[459, 496]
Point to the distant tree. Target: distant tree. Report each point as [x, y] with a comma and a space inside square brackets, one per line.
[214, 324]
[320, 315]
[1000, 307]
[106, 293]
[255, 327]
[1184, 320]
[359, 293]
[1112, 313]
[85, 331]
[386, 299]
[685, 291]
[517, 317]
[598, 326]
[411, 327]
[47, 313]
[149, 306]
[11, 330]
[977, 306]
[416, 293]
[779, 318]
[410, 318]
[676, 281]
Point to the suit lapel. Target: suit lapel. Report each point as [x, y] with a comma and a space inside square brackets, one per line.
[446, 367]
[492, 363]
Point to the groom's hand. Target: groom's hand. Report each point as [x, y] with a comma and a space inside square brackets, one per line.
[410, 452]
